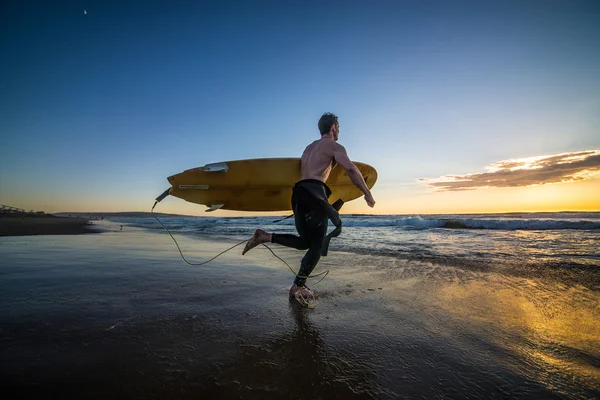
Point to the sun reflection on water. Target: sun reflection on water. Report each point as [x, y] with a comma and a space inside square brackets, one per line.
[554, 329]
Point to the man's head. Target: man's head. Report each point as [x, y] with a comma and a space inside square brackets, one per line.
[328, 123]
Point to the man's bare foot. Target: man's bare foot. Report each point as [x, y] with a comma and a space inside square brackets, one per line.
[301, 293]
[259, 237]
[293, 290]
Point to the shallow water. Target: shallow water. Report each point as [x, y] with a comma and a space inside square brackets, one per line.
[551, 238]
[119, 314]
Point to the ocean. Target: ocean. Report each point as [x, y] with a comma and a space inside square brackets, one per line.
[551, 240]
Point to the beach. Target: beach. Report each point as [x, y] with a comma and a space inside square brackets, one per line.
[22, 224]
[120, 315]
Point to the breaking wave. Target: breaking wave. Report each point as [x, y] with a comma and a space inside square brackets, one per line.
[472, 223]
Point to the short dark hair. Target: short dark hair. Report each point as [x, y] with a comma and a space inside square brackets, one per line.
[326, 121]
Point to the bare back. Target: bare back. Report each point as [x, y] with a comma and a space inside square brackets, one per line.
[321, 156]
[318, 158]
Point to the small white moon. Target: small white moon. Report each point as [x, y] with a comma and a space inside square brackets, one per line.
[85, 11]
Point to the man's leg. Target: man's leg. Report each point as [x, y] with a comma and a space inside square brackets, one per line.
[315, 236]
[310, 259]
[317, 228]
[297, 242]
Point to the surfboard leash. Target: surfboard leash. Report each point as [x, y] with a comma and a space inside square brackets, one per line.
[325, 273]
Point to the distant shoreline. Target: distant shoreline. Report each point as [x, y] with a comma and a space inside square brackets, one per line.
[32, 224]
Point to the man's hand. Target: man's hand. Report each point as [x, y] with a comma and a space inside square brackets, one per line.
[370, 200]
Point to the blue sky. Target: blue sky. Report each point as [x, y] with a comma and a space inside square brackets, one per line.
[99, 107]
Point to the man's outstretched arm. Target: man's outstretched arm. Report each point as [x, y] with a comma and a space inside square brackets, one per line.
[341, 157]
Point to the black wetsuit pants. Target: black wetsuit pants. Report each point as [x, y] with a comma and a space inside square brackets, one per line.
[311, 224]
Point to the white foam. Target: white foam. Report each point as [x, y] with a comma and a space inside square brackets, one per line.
[417, 222]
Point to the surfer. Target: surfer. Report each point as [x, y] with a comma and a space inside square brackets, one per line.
[311, 205]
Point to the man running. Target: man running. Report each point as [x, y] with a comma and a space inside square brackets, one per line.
[309, 202]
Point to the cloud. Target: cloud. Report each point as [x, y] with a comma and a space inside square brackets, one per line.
[557, 168]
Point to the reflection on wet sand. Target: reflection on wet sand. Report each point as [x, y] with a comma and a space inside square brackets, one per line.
[554, 329]
[291, 365]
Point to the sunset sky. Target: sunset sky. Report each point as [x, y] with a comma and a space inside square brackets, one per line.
[461, 106]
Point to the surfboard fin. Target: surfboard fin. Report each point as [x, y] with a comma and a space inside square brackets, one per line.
[214, 207]
[217, 167]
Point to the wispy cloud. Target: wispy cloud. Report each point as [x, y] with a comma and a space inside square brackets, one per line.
[557, 168]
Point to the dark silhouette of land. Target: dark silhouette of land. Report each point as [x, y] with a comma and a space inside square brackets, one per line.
[24, 223]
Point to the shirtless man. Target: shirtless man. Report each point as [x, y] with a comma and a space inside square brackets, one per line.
[309, 201]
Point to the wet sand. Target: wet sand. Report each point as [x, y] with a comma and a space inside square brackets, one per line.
[119, 315]
[21, 225]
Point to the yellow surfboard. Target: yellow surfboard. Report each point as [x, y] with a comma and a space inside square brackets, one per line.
[263, 184]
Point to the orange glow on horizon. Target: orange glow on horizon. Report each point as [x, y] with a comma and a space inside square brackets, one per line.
[416, 199]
